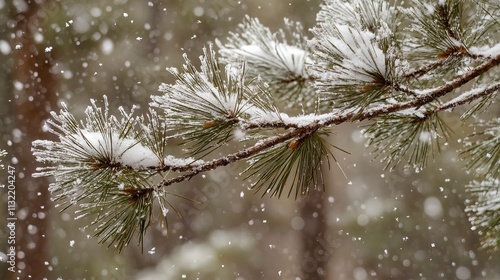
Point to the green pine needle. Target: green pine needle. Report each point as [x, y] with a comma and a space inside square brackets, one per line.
[278, 59]
[204, 106]
[93, 171]
[121, 216]
[483, 212]
[483, 154]
[447, 29]
[297, 164]
[413, 135]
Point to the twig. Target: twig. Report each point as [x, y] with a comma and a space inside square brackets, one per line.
[424, 69]
[468, 97]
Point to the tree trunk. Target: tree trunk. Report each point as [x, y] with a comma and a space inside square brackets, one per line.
[32, 98]
[315, 246]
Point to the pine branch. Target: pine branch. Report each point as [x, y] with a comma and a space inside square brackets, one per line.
[302, 157]
[352, 63]
[333, 119]
[116, 169]
[483, 210]
[484, 152]
[422, 70]
[129, 212]
[278, 59]
[411, 132]
[439, 25]
[365, 14]
[469, 96]
[242, 154]
[102, 165]
[428, 96]
[204, 106]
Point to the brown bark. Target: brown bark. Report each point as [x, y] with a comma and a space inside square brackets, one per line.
[315, 248]
[31, 105]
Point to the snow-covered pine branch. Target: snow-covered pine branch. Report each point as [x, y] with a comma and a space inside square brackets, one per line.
[105, 167]
[445, 28]
[102, 141]
[278, 59]
[361, 62]
[356, 52]
[205, 107]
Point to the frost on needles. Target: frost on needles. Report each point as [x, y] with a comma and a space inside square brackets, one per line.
[398, 70]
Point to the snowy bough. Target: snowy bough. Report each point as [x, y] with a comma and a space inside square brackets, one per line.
[396, 70]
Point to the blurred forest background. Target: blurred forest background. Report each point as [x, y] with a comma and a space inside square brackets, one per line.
[374, 224]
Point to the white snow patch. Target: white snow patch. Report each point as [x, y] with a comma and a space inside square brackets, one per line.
[486, 50]
[180, 162]
[125, 151]
[258, 115]
[300, 121]
[290, 57]
[358, 54]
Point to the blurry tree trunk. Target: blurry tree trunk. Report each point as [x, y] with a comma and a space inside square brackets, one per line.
[31, 104]
[315, 251]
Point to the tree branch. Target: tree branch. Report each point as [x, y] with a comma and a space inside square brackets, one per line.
[335, 119]
[468, 97]
[425, 97]
[243, 154]
[424, 69]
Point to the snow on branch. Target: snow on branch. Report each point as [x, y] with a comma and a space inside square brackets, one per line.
[369, 15]
[103, 140]
[486, 51]
[354, 71]
[357, 53]
[354, 53]
[204, 107]
[263, 49]
[279, 59]
[471, 95]
[108, 163]
[445, 28]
